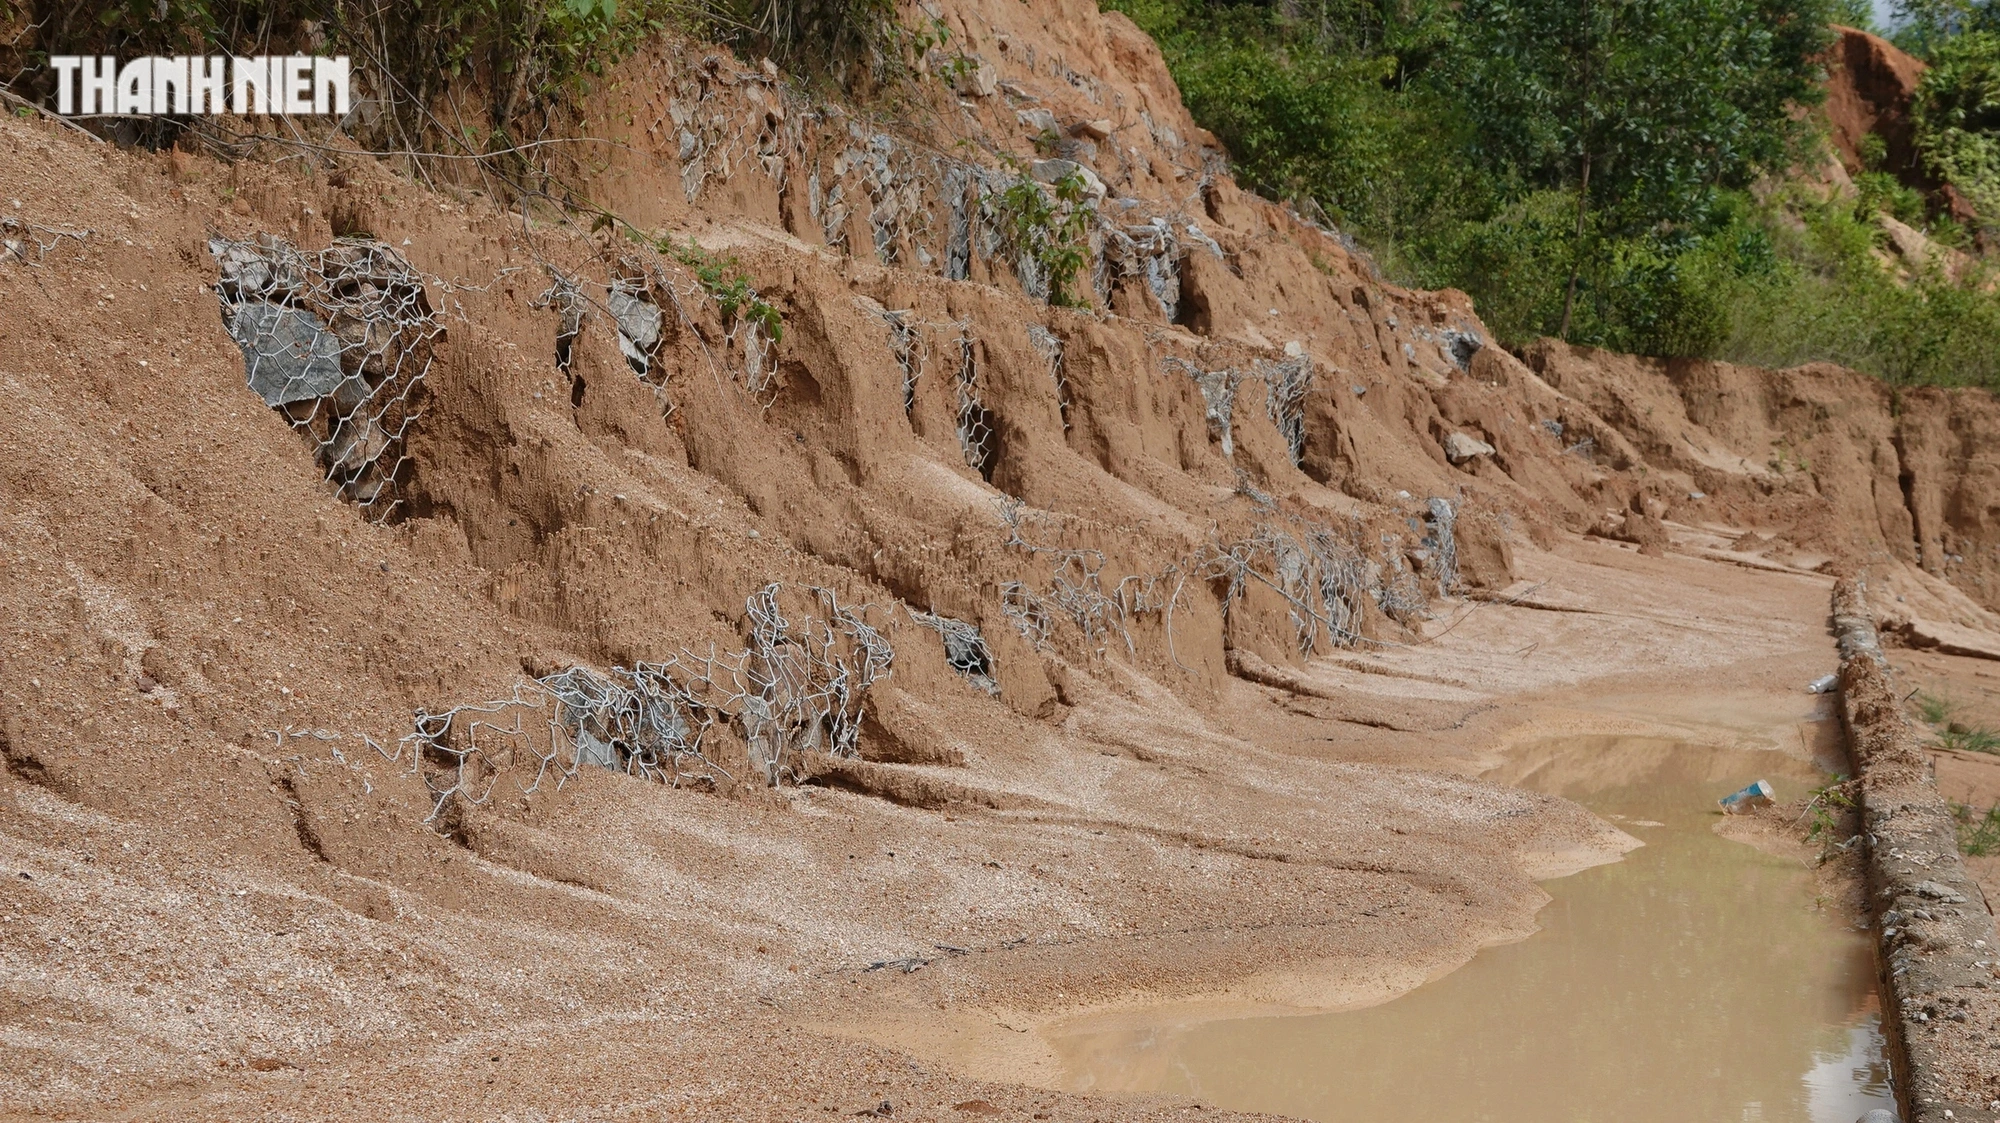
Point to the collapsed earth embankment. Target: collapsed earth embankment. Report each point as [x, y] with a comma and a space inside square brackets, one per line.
[950, 652]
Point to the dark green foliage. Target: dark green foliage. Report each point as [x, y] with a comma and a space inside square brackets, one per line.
[849, 41]
[1830, 298]
[523, 54]
[1956, 114]
[1640, 108]
[1923, 26]
[1453, 142]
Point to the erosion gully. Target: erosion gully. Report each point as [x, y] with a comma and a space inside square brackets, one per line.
[1696, 978]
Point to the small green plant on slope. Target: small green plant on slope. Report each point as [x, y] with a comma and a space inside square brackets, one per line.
[1956, 735]
[1052, 226]
[1969, 739]
[722, 277]
[1977, 837]
[1825, 806]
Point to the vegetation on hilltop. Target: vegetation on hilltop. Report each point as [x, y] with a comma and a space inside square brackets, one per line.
[1618, 172]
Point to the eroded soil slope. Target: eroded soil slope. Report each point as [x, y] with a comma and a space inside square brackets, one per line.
[1206, 605]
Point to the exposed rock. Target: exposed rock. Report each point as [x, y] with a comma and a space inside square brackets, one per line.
[358, 444]
[977, 80]
[1642, 530]
[639, 325]
[289, 354]
[1461, 447]
[1049, 171]
[1036, 121]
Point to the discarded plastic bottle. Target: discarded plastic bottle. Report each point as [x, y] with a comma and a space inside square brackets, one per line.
[1758, 794]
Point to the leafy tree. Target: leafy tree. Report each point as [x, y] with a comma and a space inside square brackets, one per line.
[1641, 109]
[1957, 117]
[1924, 26]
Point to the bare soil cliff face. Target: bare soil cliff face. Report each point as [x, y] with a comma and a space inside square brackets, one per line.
[227, 860]
[1869, 87]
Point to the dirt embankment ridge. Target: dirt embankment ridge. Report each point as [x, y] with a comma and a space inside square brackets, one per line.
[1937, 940]
[1186, 680]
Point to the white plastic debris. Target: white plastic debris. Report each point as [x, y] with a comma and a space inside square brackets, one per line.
[1823, 684]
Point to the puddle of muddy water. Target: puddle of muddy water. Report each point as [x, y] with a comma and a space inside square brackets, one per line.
[1696, 979]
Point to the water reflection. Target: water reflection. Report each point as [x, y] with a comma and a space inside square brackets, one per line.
[1697, 979]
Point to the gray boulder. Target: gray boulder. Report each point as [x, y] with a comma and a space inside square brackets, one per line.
[289, 355]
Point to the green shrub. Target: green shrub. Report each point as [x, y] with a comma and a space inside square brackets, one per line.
[1051, 225]
[1956, 115]
[723, 278]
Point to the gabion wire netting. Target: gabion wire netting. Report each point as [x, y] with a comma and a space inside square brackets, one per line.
[647, 297]
[1399, 595]
[565, 296]
[918, 207]
[907, 345]
[974, 420]
[1076, 589]
[1321, 575]
[31, 243]
[1049, 346]
[964, 648]
[1218, 396]
[338, 341]
[800, 685]
[1286, 382]
[629, 298]
[1442, 541]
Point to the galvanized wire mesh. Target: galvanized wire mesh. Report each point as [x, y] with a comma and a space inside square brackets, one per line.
[1049, 346]
[907, 344]
[1321, 575]
[647, 297]
[338, 341]
[1149, 252]
[1286, 382]
[629, 299]
[31, 243]
[637, 720]
[565, 296]
[1076, 589]
[800, 685]
[964, 648]
[1442, 542]
[1218, 396]
[1399, 595]
[975, 421]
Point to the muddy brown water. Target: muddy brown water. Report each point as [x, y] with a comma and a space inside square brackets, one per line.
[1698, 978]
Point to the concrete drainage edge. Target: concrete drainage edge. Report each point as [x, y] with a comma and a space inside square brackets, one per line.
[1935, 944]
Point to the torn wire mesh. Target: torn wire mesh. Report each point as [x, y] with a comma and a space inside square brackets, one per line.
[1049, 346]
[1286, 382]
[1218, 396]
[964, 648]
[30, 243]
[1442, 542]
[801, 685]
[975, 421]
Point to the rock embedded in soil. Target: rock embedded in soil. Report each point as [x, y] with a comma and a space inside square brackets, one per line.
[1461, 447]
[289, 354]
